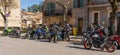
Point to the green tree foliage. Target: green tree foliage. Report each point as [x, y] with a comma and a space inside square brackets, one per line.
[34, 8]
[23, 9]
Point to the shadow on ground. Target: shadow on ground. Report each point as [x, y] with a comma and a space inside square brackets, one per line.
[76, 47]
[42, 40]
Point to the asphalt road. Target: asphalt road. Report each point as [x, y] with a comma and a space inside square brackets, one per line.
[14, 46]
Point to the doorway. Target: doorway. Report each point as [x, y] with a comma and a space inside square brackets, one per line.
[118, 26]
[80, 25]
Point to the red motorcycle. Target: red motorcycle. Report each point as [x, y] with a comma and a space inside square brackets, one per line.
[117, 39]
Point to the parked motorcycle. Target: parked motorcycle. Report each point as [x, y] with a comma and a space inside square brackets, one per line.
[117, 39]
[6, 32]
[94, 39]
[15, 33]
[40, 34]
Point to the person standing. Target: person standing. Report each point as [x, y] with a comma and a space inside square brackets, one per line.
[67, 31]
[55, 30]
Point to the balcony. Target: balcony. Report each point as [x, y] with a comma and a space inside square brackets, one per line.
[57, 12]
[99, 3]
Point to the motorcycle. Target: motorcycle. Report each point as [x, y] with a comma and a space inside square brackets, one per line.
[55, 35]
[117, 39]
[37, 34]
[94, 39]
[15, 33]
[40, 33]
[6, 32]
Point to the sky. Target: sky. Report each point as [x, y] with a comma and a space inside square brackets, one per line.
[26, 3]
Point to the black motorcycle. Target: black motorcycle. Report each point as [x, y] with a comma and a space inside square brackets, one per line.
[93, 39]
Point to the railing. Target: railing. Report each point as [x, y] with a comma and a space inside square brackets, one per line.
[97, 2]
[57, 12]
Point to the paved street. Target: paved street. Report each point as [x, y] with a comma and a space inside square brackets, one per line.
[14, 46]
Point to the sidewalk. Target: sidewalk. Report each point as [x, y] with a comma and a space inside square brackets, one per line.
[75, 38]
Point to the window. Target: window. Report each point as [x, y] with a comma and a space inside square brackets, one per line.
[118, 0]
[78, 3]
[50, 8]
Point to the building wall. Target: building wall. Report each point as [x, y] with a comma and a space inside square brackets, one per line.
[80, 13]
[58, 19]
[104, 11]
[103, 15]
[57, 6]
[15, 16]
[29, 17]
[76, 13]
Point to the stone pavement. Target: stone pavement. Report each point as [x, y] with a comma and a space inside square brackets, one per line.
[14, 46]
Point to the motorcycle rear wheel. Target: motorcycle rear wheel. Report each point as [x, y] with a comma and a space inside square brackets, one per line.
[111, 47]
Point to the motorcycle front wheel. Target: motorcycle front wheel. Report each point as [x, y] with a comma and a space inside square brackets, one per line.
[87, 44]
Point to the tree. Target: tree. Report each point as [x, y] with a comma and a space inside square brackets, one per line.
[23, 9]
[6, 6]
[34, 8]
[29, 9]
[114, 7]
[64, 5]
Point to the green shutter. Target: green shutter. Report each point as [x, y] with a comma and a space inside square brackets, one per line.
[53, 6]
[81, 3]
[48, 6]
[75, 3]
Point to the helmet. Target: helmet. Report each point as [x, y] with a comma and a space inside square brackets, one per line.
[98, 25]
[55, 23]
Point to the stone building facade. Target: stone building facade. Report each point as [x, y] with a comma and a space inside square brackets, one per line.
[76, 16]
[83, 13]
[100, 12]
[14, 19]
[30, 17]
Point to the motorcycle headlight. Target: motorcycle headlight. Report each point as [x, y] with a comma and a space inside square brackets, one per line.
[85, 34]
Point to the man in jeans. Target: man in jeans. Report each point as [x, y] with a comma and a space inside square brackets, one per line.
[55, 30]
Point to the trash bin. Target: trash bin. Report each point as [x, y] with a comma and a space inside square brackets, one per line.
[74, 31]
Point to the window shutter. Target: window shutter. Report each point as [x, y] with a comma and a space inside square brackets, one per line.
[75, 3]
[81, 3]
[52, 5]
[48, 6]
[52, 8]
